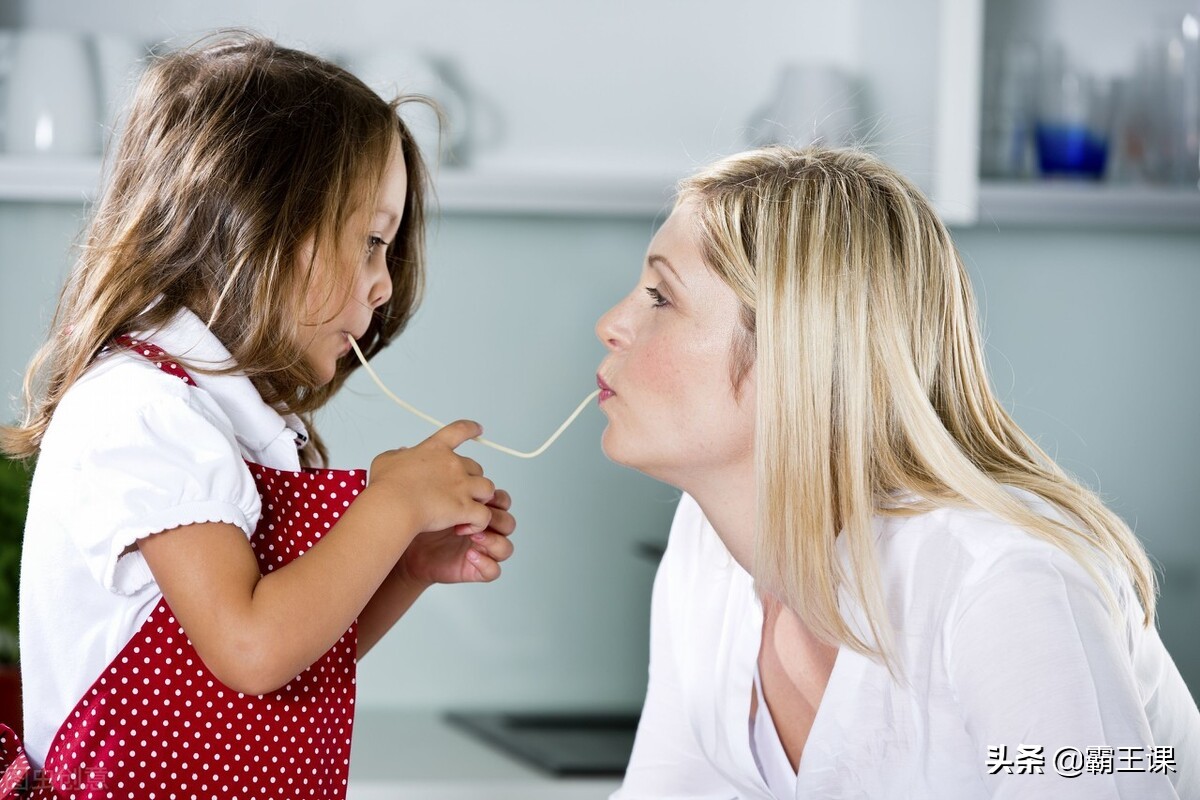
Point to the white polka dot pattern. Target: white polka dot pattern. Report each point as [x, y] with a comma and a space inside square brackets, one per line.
[14, 781]
[158, 725]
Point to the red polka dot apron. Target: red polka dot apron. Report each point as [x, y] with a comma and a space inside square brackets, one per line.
[158, 724]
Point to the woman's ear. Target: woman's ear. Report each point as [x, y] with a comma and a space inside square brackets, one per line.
[745, 391]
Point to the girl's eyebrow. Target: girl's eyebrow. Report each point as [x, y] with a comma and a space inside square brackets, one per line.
[655, 259]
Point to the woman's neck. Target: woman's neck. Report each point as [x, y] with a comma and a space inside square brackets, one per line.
[728, 500]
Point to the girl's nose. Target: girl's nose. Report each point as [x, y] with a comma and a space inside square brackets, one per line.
[381, 289]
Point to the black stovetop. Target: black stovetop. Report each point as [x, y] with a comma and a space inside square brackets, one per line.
[561, 743]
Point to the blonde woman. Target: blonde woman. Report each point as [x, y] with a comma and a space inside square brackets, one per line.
[876, 585]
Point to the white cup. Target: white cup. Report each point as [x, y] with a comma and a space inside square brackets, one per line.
[51, 104]
[813, 103]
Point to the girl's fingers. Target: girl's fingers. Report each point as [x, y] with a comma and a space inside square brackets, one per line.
[481, 518]
[457, 432]
[486, 569]
[493, 545]
[502, 500]
[502, 522]
[473, 467]
[482, 489]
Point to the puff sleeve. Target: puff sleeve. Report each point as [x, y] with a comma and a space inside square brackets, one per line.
[154, 467]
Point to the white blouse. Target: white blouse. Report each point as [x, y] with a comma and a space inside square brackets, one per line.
[130, 451]
[1006, 644]
[767, 748]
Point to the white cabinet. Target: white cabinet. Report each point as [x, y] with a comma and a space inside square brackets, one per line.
[920, 60]
[1104, 39]
[607, 109]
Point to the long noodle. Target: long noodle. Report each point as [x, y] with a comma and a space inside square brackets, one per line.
[532, 454]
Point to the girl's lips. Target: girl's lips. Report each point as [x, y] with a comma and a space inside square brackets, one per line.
[605, 390]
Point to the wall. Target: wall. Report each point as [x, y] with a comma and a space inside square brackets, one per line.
[1091, 338]
[1091, 335]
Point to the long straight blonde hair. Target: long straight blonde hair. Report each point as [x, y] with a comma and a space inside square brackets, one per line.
[236, 153]
[870, 381]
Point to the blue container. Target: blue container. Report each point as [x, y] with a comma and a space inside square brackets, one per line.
[1071, 150]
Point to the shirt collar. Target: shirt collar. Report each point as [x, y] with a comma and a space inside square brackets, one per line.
[255, 423]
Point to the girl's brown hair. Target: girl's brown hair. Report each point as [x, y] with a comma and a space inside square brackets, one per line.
[237, 154]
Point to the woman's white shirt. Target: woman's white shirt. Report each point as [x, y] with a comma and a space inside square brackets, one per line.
[130, 451]
[1005, 641]
[767, 748]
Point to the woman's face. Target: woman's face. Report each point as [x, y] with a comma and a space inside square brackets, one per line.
[331, 311]
[666, 385]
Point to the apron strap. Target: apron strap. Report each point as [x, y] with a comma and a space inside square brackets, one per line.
[14, 782]
[156, 354]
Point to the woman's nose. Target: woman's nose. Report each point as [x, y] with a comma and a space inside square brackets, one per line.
[611, 329]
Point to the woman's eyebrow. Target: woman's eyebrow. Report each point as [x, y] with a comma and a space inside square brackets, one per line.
[656, 259]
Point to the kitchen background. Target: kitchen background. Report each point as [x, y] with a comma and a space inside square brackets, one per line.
[579, 116]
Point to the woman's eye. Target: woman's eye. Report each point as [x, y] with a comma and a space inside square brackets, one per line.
[657, 297]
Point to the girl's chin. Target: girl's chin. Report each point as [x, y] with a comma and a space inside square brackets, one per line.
[323, 373]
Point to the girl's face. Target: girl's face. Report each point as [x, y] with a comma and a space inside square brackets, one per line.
[331, 312]
[667, 391]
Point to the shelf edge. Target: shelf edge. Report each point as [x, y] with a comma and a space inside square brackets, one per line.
[1046, 205]
[533, 191]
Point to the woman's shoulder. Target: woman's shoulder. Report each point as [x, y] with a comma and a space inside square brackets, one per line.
[974, 534]
[961, 549]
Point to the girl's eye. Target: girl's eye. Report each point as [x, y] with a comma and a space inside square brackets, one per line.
[657, 297]
[373, 244]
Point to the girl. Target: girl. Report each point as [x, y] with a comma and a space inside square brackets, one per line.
[876, 585]
[264, 205]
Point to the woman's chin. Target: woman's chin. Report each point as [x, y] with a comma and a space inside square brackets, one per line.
[620, 450]
[612, 447]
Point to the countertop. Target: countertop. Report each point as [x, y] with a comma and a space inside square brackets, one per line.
[413, 755]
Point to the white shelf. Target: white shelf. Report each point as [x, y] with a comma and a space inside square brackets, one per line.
[1077, 204]
[542, 189]
[48, 180]
[556, 189]
[566, 190]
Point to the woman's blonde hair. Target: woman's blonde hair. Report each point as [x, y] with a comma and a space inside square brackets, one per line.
[860, 324]
[236, 153]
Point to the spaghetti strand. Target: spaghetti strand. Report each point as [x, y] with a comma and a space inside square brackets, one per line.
[410, 409]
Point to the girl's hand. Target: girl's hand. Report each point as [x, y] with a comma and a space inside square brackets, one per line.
[456, 555]
[430, 486]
